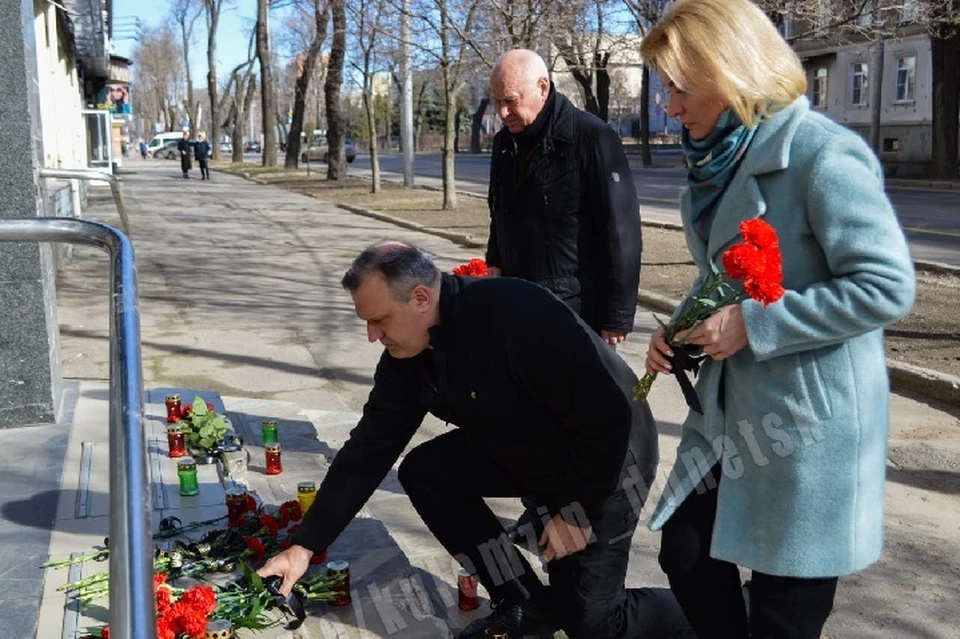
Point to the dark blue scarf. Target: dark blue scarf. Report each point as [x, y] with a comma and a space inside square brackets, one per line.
[711, 163]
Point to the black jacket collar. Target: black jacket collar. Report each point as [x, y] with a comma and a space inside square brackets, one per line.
[558, 114]
[441, 334]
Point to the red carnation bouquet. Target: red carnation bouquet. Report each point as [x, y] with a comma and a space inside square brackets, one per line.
[474, 268]
[756, 263]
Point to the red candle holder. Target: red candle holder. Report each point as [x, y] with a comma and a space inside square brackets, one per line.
[236, 499]
[274, 465]
[467, 591]
[342, 589]
[173, 409]
[175, 441]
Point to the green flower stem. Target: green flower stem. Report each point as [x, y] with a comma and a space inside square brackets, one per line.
[99, 555]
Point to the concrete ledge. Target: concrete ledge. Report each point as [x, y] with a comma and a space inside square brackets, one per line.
[467, 241]
[937, 267]
[924, 184]
[670, 226]
[903, 377]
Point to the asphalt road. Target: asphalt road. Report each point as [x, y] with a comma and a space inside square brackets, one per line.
[930, 217]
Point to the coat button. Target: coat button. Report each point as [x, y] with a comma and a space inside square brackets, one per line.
[473, 394]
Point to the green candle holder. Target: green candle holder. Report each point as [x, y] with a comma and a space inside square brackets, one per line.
[187, 474]
[270, 434]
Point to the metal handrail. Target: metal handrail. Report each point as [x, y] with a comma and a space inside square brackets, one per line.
[93, 174]
[132, 613]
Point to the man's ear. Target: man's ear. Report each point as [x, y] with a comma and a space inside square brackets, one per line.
[544, 85]
[421, 296]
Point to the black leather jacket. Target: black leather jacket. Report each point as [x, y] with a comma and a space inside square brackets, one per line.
[564, 214]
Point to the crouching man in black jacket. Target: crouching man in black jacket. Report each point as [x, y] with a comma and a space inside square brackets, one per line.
[542, 406]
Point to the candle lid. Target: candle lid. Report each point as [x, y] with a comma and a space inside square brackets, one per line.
[269, 422]
[187, 462]
[338, 565]
[236, 491]
[173, 398]
[306, 486]
[272, 448]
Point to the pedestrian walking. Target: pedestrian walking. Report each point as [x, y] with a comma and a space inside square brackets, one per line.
[202, 150]
[530, 418]
[783, 472]
[143, 149]
[183, 146]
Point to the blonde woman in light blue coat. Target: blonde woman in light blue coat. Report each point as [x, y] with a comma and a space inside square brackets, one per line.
[783, 472]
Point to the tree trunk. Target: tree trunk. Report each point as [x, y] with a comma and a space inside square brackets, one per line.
[191, 104]
[646, 155]
[303, 84]
[213, 18]
[476, 125]
[336, 161]
[267, 95]
[946, 106]
[876, 92]
[603, 94]
[368, 106]
[243, 101]
[449, 141]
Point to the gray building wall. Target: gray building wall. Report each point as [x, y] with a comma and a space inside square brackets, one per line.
[30, 383]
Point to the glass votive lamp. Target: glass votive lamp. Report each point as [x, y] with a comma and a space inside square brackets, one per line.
[175, 441]
[173, 409]
[187, 474]
[268, 430]
[272, 454]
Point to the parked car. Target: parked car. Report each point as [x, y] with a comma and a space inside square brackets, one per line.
[252, 147]
[168, 151]
[226, 147]
[317, 151]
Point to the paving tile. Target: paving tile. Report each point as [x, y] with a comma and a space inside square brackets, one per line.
[19, 618]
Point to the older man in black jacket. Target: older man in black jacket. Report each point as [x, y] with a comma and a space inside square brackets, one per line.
[542, 406]
[563, 207]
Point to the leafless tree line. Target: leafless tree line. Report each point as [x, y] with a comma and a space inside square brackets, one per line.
[453, 46]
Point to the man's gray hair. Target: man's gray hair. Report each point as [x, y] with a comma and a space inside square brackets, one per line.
[404, 267]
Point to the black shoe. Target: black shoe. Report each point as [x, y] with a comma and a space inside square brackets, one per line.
[513, 621]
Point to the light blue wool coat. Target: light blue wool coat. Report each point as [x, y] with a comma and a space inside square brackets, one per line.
[799, 418]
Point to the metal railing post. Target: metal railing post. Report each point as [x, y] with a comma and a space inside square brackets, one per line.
[93, 174]
[132, 612]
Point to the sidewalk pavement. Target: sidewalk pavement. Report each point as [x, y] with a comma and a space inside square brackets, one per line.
[240, 298]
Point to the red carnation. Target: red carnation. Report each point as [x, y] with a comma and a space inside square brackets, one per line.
[209, 406]
[292, 510]
[105, 632]
[164, 631]
[200, 598]
[255, 546]
[271, 524]
[759, 233]
[158, 579]
[318, 557]
[474, 268]
[284, 544]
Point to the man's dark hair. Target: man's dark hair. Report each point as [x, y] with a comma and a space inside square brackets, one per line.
[402, 265]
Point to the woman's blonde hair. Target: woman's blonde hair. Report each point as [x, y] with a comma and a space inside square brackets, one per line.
[726, 47]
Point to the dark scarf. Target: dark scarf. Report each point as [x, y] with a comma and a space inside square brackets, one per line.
[711, 164]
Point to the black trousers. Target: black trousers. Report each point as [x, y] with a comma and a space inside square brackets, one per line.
[204, 171]
[709, 590]
[447, 480]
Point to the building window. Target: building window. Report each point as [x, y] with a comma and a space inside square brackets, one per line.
[906, 78]
[909, 10]
[865, 19]
[891, 145]
[858, 75]
[820, 88]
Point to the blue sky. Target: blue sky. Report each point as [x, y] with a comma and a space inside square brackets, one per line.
[232, 34]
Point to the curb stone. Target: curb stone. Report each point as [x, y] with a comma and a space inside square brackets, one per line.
[464, 240]
[903, 377]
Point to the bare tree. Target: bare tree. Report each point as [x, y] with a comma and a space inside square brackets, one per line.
[367, 17]
[212, 12]
[158, 76]
[945, 51]
[336, 158]
[442, 22]
[268, 99]
[185, 14]
[646, 13]
[317, 13]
